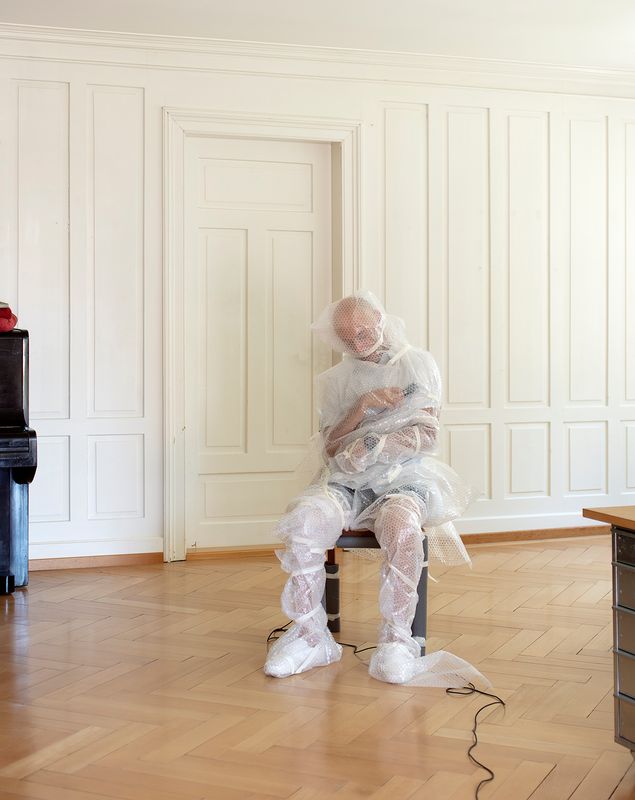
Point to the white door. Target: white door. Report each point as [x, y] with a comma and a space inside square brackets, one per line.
[258, 262]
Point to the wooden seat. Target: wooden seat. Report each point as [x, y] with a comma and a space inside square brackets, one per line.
[349, 540]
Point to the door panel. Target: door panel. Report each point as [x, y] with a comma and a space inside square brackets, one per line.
[258, 256]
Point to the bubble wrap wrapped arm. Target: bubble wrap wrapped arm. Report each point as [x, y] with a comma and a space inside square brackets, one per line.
[390, 448]
[408, 442]
[335, 436]
[383, 411]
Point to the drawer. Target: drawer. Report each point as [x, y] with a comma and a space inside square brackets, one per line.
[624, 585]
[625, 718]
[624, 622]
[625, 674]
[623, 546]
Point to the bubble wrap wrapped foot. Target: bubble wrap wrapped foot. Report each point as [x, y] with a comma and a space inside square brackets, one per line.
[392, 662]
[397, 658]
[297, 655]
[397, 662]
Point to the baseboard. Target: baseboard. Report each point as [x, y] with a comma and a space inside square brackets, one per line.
[86, 562]
[541, 533]
[240, 551]
[259, 550]
[203, 553]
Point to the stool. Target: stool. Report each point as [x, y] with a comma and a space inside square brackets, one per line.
[331, 600]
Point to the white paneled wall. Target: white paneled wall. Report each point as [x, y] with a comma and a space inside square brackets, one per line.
[499, 222]
[527, 295]
[74, 265]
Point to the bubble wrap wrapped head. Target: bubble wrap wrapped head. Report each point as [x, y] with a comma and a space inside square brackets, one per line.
[358, 326]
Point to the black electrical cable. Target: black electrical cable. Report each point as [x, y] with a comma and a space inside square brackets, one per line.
[464, 691]
[356, 647]
[272, 638]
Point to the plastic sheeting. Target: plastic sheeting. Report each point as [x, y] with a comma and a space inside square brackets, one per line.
[379, 435]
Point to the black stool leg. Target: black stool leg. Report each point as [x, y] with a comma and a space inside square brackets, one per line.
[331, 599]
[420, 621]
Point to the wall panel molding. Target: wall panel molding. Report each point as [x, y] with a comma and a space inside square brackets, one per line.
[467, 257]
[528, 467]
[629, 447]
[406, 217]
[116, 251]
[587, 457]
[49, 495]
[527, 307]
[116, 476]
[588, 267]
[209, 56]
[469, 451]
[43, 306]
[629, 260]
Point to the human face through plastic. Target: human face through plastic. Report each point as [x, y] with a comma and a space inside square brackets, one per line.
[359, 325]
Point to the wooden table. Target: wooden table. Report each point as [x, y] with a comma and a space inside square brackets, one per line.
[622, 521]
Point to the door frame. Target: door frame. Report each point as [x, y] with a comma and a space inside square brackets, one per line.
[178, 124]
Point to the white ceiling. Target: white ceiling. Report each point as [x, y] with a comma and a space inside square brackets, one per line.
[596, 33]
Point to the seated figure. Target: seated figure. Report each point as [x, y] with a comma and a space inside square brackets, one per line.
[379, 430]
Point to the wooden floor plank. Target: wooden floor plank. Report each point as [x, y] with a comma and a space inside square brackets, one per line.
[626, 788]
[604, 776]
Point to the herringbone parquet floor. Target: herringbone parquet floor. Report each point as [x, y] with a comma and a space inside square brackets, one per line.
[146, 682]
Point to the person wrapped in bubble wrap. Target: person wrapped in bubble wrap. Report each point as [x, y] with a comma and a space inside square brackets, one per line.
[379, 430]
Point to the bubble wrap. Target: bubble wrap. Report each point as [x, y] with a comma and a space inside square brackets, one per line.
[379, 432]
[398, 663]
[310, 527]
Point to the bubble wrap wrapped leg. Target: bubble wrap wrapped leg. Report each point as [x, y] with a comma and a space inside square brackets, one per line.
[398, 531]
[310, 527]
[397, 658]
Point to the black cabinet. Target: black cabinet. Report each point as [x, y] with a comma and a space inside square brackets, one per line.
[624, 634]
[18, 459]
